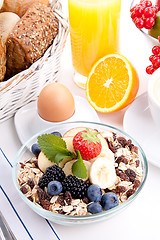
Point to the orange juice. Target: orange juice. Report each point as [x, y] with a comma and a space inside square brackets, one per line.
[94, 31]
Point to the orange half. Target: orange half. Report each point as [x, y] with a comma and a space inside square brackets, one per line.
[112, 84]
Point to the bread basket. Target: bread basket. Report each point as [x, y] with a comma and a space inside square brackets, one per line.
[26, 85]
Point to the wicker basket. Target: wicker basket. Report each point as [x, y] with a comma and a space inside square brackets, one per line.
[26, 85]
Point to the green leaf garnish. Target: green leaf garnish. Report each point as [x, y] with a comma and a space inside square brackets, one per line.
[54, 148]
[79, 168]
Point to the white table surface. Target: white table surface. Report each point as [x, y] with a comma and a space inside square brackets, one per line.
[142, 218]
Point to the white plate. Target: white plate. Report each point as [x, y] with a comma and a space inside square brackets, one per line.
[27, 123]
[138, 123]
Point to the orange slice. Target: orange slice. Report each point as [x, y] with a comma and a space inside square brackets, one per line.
[112, 84]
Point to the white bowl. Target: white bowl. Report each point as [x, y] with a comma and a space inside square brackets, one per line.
[154, 104]
[24, 153]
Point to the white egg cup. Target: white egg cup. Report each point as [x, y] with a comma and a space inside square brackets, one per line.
[28, 122]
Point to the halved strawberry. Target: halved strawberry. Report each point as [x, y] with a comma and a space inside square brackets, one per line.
[87, 143]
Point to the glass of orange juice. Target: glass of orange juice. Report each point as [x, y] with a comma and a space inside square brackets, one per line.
[94, 32]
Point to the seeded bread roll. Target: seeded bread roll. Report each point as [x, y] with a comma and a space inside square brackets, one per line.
[2, 60]
[30, 38]
[20, 6]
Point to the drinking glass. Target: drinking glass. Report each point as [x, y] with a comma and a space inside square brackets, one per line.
[94, 32]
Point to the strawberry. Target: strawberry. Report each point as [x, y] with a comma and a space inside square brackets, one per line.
[87, 143]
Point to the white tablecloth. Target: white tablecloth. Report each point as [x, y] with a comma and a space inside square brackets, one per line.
[141, 219]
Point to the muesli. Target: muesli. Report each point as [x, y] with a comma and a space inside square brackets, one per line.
[80, 173]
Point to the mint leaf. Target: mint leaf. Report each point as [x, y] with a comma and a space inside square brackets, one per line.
[54, 148]
[60, 156]
[79, 168]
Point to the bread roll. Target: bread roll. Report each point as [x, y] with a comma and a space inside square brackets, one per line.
[1, 3]
[30, 38]
[20, 6]
[7, 22]
[2, 60]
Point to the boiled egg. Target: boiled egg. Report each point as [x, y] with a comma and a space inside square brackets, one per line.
[55, 103]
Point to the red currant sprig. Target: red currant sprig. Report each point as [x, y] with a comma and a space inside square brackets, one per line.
[144, 14]
[155, 60]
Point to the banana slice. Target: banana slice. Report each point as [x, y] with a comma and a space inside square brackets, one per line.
[102, 172]
[68, 168]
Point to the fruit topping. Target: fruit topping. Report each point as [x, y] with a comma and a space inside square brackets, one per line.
[54, 188]
[130, 192]
[95, 208]
[109, 200]
[35, 149]
[77, 187]
[87, 143]
[94, 193]
[52, 173]
[42, 195]
[57, 134]
[103, 173]
[144, 14]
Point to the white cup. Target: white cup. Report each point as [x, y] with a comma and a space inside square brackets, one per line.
[154, 96]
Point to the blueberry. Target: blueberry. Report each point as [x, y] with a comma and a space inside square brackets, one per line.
[94, 193]
[109, 200]
[35, 149]
[57, 134]
[95, 208]
[54, 188]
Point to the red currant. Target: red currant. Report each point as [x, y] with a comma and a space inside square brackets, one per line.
[146, 3]
[138, 11]
[132, 9]
[133, 15]
[139, 22]
[150, 69]
[151, 58]
[149, 12]
[156, 61]
[156, 50]
[149, 22]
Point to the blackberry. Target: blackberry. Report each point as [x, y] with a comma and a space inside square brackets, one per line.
[77, 187]
[52, 173]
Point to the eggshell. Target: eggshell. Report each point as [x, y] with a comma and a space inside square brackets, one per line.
[55, 103]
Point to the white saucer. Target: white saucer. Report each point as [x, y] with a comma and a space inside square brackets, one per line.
[26, 124]
[138, 123]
